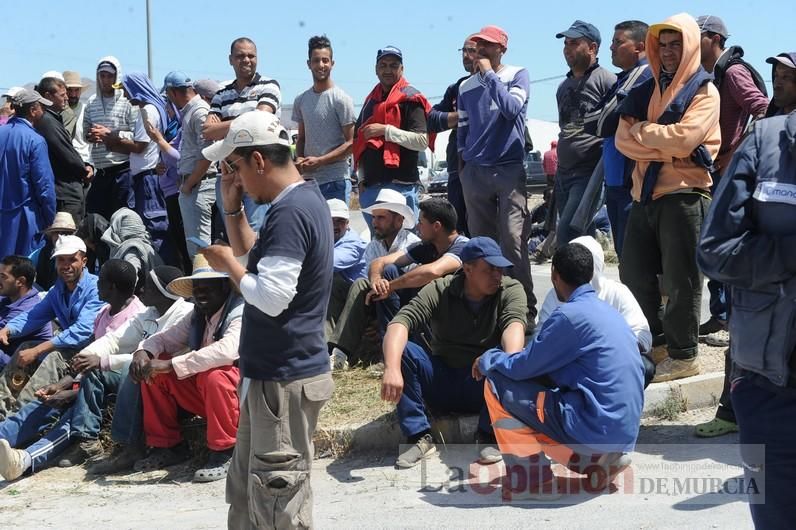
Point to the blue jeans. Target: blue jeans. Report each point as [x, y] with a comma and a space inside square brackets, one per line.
[337, 189]
[428, 380]
[196, 212]
[389, 307]
[95, 389]
[128, 416]
[31, 425]
[367, 197]
[569, 192]
[618, 202]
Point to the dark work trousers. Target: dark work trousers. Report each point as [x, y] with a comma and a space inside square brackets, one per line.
[71, 197]
[456, 198]
[110, 190]
[429, 381]
[178, 255]
[618, 203]
[661, 238]
[569, 192]
[725, 410]
[497, 207]
[767, 432]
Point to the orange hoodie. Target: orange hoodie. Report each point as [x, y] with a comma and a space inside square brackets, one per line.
[646, 141]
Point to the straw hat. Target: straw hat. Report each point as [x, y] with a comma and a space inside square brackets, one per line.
[63, 222]
[201, 271]
[73, 80]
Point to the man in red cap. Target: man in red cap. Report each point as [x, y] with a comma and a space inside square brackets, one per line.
[491, 143]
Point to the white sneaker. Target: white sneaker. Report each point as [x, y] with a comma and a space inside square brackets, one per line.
[338, 360]
[12, 461]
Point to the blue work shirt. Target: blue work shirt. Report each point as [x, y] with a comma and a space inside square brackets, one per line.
[349, 252]
[75, 311]
[587, 348]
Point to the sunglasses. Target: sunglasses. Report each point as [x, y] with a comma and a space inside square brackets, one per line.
[232, 167]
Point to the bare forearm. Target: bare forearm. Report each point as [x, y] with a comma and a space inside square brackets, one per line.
[337, 154]
[240, 234]
[513, 338]
[416, 278]
[395, 341]
[376, 269]
[199, 171]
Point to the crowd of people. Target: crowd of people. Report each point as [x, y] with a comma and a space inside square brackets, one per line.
[169, 250]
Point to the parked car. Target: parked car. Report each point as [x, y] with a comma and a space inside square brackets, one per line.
[438, 185]
[535, 179]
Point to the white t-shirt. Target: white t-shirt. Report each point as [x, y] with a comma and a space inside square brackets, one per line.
[149, 157]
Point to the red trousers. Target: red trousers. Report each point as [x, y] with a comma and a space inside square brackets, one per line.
[212, 395]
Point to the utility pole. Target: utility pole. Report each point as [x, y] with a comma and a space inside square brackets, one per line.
[148, 41]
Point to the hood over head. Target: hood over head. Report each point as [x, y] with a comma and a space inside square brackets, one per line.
[690, 62]
[140, 88]
[125, 225]
[598, 257]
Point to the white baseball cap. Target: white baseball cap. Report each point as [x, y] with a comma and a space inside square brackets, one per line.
[255, 128]
[53, 73]
[68, 245]
[13, 91]
[339, 209]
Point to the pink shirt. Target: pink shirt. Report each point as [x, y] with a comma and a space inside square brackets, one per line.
[105, 322]
[171, 342]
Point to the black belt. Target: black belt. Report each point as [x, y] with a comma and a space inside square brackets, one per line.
[112, 170]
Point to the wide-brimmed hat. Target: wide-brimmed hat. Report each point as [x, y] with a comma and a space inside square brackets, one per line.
[63, 222]
[201, 271]
[393, 201]
[72, 79]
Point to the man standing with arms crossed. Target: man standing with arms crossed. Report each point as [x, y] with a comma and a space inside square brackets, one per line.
[284, 360]
[325, 117]
[491, 142]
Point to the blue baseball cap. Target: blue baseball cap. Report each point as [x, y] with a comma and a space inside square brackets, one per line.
[389, 50]
[485, 248]
[580, 29]
[177, 79]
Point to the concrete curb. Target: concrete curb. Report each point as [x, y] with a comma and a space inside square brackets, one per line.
[383, 432]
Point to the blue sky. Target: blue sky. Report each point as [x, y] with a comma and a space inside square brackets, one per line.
[195, 36]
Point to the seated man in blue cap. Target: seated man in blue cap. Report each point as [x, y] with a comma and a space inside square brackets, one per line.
[576, 390]
[475, 309]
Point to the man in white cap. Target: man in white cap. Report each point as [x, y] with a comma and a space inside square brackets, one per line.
[783, 75]
[390, 285]
[75, 302]
[6, 109]
[286, 283]
[26, 177]
[349, 260]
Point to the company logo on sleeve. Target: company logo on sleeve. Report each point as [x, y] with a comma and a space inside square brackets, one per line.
[776, 192]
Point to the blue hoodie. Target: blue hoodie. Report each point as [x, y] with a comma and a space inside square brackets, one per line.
[141, 89]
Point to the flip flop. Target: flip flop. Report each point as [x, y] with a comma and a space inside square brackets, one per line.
[715, 427]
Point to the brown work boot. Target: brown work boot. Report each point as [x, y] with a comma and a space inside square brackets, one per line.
[672, 369]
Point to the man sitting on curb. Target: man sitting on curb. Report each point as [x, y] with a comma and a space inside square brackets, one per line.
[387, 288]
[577, 388]
[203, 381]
[18, 296]
[617, 296]
[475, 309]
[349, 261]
[79, 424]
[73, 301]
[114, 352]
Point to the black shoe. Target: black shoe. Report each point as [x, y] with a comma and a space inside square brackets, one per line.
[121, 459]
[712, 326]
[161, 457]
[81, 451]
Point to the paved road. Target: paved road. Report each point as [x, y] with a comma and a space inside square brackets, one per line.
[541, 273]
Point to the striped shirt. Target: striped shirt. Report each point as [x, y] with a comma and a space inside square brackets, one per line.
[115, 113]
[492, 109]
[229, 103]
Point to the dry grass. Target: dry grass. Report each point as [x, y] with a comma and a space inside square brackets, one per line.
[356, 399]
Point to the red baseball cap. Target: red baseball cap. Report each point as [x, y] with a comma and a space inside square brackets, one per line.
[492, 34]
